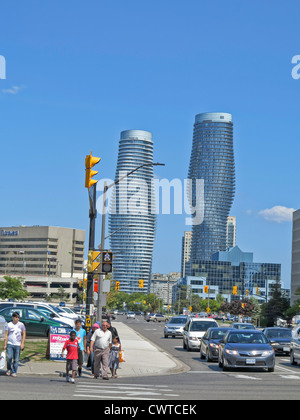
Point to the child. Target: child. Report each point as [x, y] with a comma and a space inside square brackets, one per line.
[71, 346]
[114, 356]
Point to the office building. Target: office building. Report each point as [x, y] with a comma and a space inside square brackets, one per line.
[41, 251]
[231, 232]
[295, 274]
[185, 250]
[132, 217]
[212, 160]
[162, 285]
[237, 268]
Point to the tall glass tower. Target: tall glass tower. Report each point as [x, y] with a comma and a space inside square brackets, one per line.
[132, 219]
[212, 160]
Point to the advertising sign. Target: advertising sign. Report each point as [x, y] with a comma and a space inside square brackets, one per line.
[58, 337]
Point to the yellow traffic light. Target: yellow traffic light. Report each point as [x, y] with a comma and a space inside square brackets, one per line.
[141, 283]
[117, 286]
[205, 289]
[247, 292]
[90, 161]
[257, 290]
[92, 263]
[208, 310]
[234, 290]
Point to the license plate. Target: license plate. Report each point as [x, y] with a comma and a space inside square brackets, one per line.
[250, 361]
[286, 349]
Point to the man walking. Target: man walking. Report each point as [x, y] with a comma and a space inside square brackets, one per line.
[14, 342]
[101, 343]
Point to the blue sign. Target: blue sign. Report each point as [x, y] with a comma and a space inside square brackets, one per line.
[9, 232]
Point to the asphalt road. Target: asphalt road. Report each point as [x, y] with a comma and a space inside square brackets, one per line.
[203, 381]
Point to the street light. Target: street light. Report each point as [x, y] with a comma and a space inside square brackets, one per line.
[102, 245]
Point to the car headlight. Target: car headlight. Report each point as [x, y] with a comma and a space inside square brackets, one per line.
[193, 339]
[268, 353]
[274, 344]
[232, 352]
[213, 345]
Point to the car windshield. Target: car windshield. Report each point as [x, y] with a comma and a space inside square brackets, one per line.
[244, 326]
[178, 321]
[278, 334]
[217, 334]
[201, 325]
[247, 338]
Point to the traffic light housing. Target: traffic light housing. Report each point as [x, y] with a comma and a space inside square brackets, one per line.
[90, 161]
[117, 286]
[107, 262]
[93, 265]
[205, 289]
[234, 290]
[141, 283]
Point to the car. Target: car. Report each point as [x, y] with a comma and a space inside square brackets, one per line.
[295, 346]
[280, 339]
[131, 315]
[45, 308]
[36, 323]
[246, 349]
[175, 326]
[194, 330]
[156, 317]
[209, 345]
[3, 326]
[242, 326]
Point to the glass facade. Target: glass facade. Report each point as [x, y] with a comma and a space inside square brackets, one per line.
[131, 220]
[246, 275]
[212, 160]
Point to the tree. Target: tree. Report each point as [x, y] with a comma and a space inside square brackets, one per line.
[276, 307]
[13, 288]
[61, 294]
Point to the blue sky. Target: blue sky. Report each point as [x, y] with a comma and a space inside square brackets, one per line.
[78, 73]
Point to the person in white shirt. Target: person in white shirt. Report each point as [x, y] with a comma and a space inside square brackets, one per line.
[101, 343]
[13, 343]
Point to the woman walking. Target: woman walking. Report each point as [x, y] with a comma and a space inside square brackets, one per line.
[114, 357]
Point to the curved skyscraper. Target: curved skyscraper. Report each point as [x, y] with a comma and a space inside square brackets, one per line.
[212, 160]
[132, 219]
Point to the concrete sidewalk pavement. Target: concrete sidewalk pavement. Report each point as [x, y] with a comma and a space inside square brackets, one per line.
[142, 358]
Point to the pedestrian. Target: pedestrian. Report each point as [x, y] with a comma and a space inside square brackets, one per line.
[114, 356]
[14, 343]
[90, 353]
[81, 337]
[71, 346]
[113, 330]
[101, 343]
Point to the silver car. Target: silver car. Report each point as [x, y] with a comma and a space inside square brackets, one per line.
[175, 326]
[246, 349]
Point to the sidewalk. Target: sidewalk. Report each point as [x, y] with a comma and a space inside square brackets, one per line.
[142, 359]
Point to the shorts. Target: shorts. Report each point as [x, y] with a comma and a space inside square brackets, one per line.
[72, 364]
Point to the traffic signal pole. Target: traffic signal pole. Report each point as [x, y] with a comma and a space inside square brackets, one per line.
[90, 278]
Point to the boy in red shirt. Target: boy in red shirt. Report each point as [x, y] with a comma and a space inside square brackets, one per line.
[71, 346]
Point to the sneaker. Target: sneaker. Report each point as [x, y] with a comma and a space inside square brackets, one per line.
[72, 381]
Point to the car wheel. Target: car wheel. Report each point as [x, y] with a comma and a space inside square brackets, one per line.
[292, 359]
[207, 358]
[183, 344]
[225, 368]
[188, 347]
[271, 369]
[166, 336]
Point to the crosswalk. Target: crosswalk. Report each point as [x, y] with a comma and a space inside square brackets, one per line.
[121, 391]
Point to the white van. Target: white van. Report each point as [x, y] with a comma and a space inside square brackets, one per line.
[194, 330]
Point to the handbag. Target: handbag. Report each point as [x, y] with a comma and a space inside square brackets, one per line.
[121, 356]
[2, 360]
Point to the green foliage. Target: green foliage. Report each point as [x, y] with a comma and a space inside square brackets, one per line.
[13, 288]
[134, 302]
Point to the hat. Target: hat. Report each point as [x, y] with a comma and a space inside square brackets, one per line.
[96, 325]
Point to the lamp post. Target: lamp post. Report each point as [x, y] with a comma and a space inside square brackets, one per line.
[102, 244]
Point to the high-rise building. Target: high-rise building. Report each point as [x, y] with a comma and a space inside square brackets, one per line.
[186, 250]
[231, 232]
[212, 160]
[132, 217]
[295, 275]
